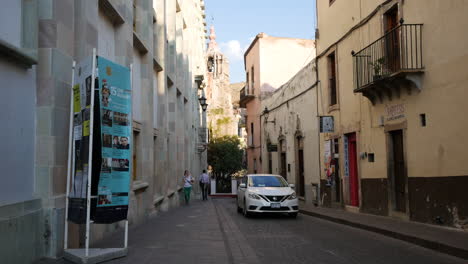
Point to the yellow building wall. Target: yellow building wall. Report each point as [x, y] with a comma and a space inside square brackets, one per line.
[435, 154]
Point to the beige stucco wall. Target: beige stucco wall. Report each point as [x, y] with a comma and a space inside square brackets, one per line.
[434, 154]
[435, 150]
[281, 58]
[294, 110]
[252, 59]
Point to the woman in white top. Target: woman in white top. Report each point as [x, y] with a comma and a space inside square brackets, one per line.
[188, 181]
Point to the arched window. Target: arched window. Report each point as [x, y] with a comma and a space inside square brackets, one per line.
[210, 64]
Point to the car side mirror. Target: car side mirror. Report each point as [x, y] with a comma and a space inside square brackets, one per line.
[242, 185]
[292, 185]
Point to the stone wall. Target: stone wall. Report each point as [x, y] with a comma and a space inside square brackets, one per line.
[165, 55]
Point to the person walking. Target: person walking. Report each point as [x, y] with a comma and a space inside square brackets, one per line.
[204, 183]
[188, 181]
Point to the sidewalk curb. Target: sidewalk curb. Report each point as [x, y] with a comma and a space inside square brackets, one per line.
[430, 244]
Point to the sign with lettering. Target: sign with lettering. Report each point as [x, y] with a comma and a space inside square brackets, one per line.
[272, 148]
[115, 126]
[395, 111]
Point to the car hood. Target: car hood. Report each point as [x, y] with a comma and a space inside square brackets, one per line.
[271, 190]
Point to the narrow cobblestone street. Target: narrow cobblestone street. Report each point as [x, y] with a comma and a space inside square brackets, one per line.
[213, 232]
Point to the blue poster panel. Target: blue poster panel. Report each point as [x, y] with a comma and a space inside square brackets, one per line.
[114, 143]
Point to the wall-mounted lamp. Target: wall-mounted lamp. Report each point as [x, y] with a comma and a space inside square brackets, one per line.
[203, 103]
[266, 114]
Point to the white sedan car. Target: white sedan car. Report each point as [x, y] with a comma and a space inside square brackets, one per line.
[266, 193]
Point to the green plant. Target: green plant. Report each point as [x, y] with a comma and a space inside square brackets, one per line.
[225, 155]
[217, 111]
[377, 66]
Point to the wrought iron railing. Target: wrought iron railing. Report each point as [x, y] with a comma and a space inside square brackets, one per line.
[399, 50]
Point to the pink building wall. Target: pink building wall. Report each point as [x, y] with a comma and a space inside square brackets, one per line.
[275, 60]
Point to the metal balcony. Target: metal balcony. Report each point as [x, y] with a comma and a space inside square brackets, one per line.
[390, 64]
[246, 95]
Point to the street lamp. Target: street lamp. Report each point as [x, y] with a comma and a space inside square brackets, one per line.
[265, 114]
[203, 103]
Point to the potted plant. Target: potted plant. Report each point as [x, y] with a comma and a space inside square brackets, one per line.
[377, 68]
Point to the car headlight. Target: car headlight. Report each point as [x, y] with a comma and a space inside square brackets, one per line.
[292, 196]
[254, 196]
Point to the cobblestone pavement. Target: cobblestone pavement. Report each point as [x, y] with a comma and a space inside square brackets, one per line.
[213, 232]
[279, 239]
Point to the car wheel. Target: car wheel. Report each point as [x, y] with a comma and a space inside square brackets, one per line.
[245, 212]
[292, 215]
[239, 209]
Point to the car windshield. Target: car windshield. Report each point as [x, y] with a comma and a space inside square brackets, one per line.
[267, 181]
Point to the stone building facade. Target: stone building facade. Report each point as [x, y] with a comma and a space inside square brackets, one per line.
[164, 40]
[393, 77]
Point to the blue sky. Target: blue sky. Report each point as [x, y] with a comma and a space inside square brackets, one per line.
[237, 22]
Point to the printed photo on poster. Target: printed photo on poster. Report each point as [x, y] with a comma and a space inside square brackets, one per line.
[105, 94]
[106, 165]
[120, 164]
[120, 119]
[121, 142]
[107, 141]
[115, 141]
[105, 196]
[107, 117]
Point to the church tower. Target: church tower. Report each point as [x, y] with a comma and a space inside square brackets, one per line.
[221, 119]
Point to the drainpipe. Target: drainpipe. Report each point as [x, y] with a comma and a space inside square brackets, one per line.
[319, 85]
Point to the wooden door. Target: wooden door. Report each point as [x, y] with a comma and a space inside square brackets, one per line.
[353, 171]
[399, 172]
[392, 39]
[283, 165]
[301, 187]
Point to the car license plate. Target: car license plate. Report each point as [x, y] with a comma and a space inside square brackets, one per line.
[275, 205]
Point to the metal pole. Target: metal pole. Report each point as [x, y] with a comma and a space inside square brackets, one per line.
[71, 147]
[131, 155]
[126, 234]
[90, 158]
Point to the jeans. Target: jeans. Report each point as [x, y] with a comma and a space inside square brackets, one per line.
[187, 191]
[204, 188]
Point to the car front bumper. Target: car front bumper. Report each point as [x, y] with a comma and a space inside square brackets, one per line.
[262, 206]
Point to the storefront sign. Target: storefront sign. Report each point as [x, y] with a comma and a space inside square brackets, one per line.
[272, 148]
[346, 156]
[326, 124]
[327, 153]
[395, 111]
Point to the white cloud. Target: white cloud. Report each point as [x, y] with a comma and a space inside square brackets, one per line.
[233, 50]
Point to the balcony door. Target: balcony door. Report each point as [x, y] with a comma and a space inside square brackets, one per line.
[392, 39]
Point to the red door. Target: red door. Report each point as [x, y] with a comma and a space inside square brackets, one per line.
[353, 172]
